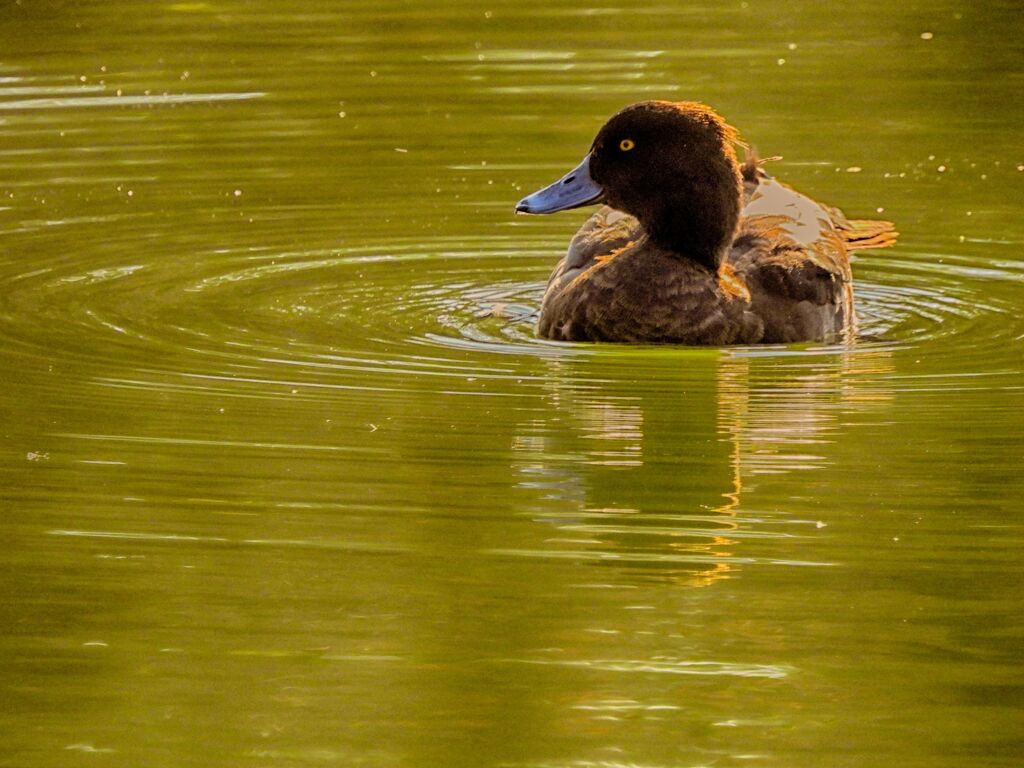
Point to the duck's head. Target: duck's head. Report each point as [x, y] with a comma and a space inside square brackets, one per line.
[671, 165]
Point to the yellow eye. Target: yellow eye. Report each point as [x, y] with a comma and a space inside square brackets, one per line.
[626, 144]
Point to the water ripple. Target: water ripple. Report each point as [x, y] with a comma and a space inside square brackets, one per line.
[117, 99]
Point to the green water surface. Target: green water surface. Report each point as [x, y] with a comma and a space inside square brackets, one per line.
[279, 488]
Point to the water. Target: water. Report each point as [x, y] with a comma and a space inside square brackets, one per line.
[278, 488]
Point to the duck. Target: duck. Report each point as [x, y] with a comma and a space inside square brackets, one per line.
[691, 246]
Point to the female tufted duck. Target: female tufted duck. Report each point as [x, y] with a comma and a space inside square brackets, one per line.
[690, 246]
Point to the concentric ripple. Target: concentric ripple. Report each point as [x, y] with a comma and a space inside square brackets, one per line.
[381, 316]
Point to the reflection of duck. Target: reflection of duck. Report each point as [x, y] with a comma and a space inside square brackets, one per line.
[691, 247]
[692, 495]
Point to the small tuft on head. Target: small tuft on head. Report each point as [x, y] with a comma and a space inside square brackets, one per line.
[752, 167]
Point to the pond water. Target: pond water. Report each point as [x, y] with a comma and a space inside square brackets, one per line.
[279, 487]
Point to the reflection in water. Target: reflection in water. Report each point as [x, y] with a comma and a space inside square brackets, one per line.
[764, 420]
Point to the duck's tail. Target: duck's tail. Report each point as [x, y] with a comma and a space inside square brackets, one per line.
[867, 233]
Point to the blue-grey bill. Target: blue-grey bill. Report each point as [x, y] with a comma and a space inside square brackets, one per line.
[573, 190]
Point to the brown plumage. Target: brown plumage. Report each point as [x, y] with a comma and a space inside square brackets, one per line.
[691, 247]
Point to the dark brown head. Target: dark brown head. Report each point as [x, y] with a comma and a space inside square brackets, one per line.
[672, 166]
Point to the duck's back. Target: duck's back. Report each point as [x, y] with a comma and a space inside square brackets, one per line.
[793, 258]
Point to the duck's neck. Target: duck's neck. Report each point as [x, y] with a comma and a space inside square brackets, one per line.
[697, 219]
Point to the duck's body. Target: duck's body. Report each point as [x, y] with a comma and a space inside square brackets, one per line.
[709, 253]
[786, 278]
